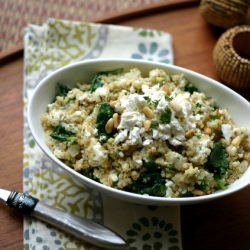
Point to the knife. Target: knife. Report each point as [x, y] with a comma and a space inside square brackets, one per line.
[83, 229]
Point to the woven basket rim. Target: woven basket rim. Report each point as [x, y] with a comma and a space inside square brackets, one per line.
[230, 36]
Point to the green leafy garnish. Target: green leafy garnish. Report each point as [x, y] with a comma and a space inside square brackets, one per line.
[61, 134]
[165, 116]
[150, 182]
[201, 185]
[198, 105]
[89, 172]
[150, 102]
[154, 124]
[62, 90]
[97, 80]
[190, 88]
[220, 184]
[168, 98]
[215, 117]
[217, 162]
[105, 112]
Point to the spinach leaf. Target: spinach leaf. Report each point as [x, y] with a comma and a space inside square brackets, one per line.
[220, 184]
[165, 116]
[61, 134]
[217, 162]
[201, 185]
[97, 80]
[186, 194]
[62, 90]
[105, 112]
[190, 88]
[151, 181]
[154, 124]
[89, 172]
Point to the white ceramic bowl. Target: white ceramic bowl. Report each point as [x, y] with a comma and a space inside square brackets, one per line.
[44, 93]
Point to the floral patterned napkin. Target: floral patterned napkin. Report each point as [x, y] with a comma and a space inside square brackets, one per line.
[50, 46]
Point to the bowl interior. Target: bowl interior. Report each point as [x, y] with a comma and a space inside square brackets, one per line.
[238, 107]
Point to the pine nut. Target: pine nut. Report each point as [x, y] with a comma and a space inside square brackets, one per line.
[190, 133]
[165, 89]
[148, 112]
[208, 130]
[198, 192]
[116, 119]
[247, 157]
[113, 104]
[147, 125]
[237, 140]
[109, 126]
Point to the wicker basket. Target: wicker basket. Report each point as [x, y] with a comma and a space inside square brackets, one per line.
[231, 56]
[224, 13]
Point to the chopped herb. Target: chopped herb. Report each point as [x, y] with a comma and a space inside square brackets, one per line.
[214, 106]
[198, 105]
[105, 112]
[201, 185]
[61, 134]
[220, 184]
[150, 165]
[215, 117]
[154, 124]
[198, 136]
[217, 162]
[97, 80]
[150, 102]
[165, 117]
[190, 88]
[151, 181]
[168, 98]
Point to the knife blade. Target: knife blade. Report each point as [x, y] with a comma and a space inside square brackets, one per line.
[82, 228]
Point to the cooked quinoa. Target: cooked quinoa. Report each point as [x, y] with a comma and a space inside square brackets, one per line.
[153, 135]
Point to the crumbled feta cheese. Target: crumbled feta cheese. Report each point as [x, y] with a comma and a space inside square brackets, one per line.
[102, 91]
[147, 142]
[77, 113]
[121, 154]
[99, 154]
[55, 117]
[134, 136]
[113, 177]
[182, 100]
[162, 104]
[131, 119]
[121, 137]
[227, 131]
[59, 153]
[169, 190]
[133, 102]
[153, 92]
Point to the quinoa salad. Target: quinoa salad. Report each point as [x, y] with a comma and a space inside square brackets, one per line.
[153, 134]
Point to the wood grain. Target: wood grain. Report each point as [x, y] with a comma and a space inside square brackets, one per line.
[11, 136]
[220, 224]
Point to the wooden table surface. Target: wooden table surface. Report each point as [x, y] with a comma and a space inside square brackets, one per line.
[220, 224]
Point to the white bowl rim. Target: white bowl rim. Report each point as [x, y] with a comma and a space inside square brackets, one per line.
[136, 198]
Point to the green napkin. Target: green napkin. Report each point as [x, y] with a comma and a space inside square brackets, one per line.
[48, 47]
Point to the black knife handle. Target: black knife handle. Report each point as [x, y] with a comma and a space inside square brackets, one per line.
[22, 201]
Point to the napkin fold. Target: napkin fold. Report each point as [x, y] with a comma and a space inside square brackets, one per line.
[48, 47]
